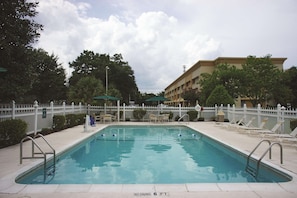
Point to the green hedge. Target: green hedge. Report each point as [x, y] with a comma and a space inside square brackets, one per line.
[293, 124]
[61, 122]
[139, 113]
[192, 115]
[12, 132]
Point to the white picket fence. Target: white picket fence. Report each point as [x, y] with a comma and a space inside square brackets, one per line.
[40, 116]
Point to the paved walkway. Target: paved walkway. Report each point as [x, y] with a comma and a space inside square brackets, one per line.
[11, 168]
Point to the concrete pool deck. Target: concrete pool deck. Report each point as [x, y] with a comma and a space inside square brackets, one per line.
[11, 168]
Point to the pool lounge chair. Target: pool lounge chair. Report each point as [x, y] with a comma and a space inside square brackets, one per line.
[233, 123]
[243, 125]
[153, 117]
[164, 118]
[248, 129]
[291, 135]
[264, 132]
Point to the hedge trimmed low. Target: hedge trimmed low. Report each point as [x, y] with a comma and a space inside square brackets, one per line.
[12, 132]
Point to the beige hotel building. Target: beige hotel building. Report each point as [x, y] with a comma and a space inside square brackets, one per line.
[190, 78]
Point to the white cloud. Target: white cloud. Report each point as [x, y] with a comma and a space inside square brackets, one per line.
[158, 39]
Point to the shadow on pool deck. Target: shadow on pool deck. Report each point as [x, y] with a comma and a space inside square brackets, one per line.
[11, 168]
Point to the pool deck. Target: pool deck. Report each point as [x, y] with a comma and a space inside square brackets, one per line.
[11, 168]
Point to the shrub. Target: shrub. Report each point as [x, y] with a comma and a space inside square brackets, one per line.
[80, 118]
[139, 113]
[12, 132]
[200, 119]
[71, 120]
[293, 124]
[46, 131]
[58, 122]
[192, 115]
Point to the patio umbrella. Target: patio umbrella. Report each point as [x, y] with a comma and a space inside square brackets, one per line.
[3, 69]
[105, 97]
[157, 99]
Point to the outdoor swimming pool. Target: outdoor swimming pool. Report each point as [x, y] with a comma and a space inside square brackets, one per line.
[150, 155]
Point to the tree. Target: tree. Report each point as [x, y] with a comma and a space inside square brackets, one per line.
[226, 75]
[120, 75]
[85, 90]
[18, 31]
[261, 78]
[219, 96]
[286, 93]
[191, 96]
[50, 78]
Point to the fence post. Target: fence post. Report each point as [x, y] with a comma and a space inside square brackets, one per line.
[118, 108]
[244, 113]
[72, 106]
[283, 119]
[64, 108]
[228, 111]
[124, 112]
[36, 116]
[79, 104]
[233, 110]
[13, 110]
[52, 108]
[259, 114]
[179, 109]
[278, 118]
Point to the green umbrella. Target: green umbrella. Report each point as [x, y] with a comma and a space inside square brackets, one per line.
[157, 99]
[105, 97]
[3, 69]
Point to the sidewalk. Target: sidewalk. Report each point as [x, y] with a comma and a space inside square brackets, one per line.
[11, 168]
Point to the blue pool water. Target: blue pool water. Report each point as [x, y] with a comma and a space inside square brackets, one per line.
[150, 154]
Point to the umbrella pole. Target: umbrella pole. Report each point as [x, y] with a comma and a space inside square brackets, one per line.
[105, 107]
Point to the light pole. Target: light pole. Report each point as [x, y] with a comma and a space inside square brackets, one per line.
[106, 78]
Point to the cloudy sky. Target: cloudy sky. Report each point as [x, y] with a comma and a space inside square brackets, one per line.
[158, 37]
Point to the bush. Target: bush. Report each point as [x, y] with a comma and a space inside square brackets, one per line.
[139, 113]
[71, 120]
[80, 118]
[59, 122]
[200, 119]
[293, 124]
[192, 115]
[12, 132]
[46, 131]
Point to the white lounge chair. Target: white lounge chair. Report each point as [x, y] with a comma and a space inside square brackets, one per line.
[292, 135]
[249, 128]
[164, 118]
[243, 125]
[233, 123]
[267, 131]
[153, 117]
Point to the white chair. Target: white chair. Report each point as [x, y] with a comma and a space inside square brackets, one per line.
[165, 118]
[264, 132]
[249, 128]
[153, 117]
[292, 135]
[242, 125]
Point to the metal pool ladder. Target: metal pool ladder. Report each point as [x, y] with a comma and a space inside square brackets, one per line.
[39, 155]
[254, 171]
[182, 117]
